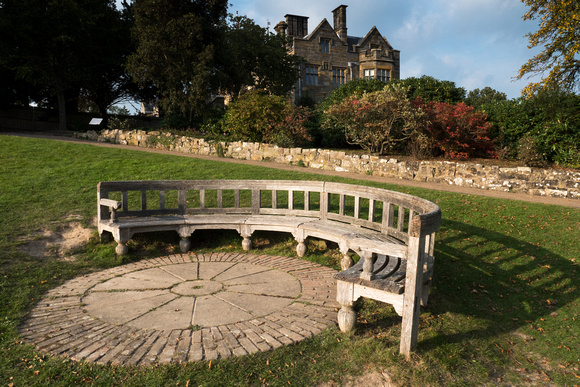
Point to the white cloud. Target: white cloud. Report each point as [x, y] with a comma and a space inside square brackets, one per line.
[474, 43]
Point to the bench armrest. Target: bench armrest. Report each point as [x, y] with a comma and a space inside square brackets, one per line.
[113, 206]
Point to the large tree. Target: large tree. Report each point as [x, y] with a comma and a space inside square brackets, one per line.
[106, 81]
[61, 47]
[252, 56]
[175, 51]
[559, 36]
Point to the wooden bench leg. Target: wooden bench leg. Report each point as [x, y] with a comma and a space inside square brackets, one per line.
[246, 233]
[301, 239]
[121, 248]
[412, 297]
[184, 244]
[346, 318]
[345, 297]
[247, 243]
[301, 249]
[122, 237]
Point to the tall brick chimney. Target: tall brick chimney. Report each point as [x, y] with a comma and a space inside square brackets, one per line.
[297, 26]
[340, 22]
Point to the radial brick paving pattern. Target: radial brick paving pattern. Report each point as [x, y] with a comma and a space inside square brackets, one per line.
[184, 308]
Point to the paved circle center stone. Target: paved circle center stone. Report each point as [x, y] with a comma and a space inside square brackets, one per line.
[197, 288]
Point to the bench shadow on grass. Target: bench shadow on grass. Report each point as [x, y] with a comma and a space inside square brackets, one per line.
[501, 281]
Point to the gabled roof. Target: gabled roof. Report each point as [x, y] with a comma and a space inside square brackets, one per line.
[323, 24]
[374, 31]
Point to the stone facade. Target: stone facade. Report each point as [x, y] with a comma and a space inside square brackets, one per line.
[532, 181]
[331, 57]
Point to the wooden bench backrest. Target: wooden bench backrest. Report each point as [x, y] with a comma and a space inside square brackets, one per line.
[388, 212]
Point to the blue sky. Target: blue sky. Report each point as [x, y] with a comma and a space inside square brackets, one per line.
[474, 43]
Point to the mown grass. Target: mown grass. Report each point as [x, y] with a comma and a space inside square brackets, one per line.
[503, 308]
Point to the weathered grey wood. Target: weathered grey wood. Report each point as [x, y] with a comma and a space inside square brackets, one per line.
[256, 201]
[388, 216]
[202, 198]
[397, 259]
[114, 204]
[125, 200]
[291, 200]
[412, 298]
[143, 200]
[401, 219]
[346, 315]
[162, 199]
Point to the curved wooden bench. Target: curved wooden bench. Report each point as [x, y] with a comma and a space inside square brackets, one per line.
[392, 233]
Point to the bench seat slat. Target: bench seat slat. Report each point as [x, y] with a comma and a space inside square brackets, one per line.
[145, 222]
[390, 273]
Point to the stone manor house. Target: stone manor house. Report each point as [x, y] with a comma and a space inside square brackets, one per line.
[332, 57]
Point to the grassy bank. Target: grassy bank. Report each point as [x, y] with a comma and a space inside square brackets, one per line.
[504, 303]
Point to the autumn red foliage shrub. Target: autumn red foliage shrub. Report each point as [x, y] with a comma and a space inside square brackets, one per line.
[458, 131]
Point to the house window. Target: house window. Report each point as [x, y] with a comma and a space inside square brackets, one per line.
[325, 46]
[312, 75]
[384, 75]
[337, 77]
[369, 74]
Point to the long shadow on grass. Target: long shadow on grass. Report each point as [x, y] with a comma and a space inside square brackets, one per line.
[502, 282]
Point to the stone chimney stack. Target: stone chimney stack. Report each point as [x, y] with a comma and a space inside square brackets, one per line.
[281, 28]
[297, 26]
[340, 22]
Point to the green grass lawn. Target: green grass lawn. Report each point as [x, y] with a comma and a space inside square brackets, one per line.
[504, 305]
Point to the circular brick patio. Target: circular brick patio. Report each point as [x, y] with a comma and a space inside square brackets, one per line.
[183, 308]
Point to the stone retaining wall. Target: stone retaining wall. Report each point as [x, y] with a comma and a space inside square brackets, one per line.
[532, 181]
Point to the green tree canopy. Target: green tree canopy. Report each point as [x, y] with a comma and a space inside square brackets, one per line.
[176, 43]
[487, 95]
[559, 36]
[251, 56]
[431, 89]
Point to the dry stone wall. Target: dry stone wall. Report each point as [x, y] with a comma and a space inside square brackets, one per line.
[532, 181]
